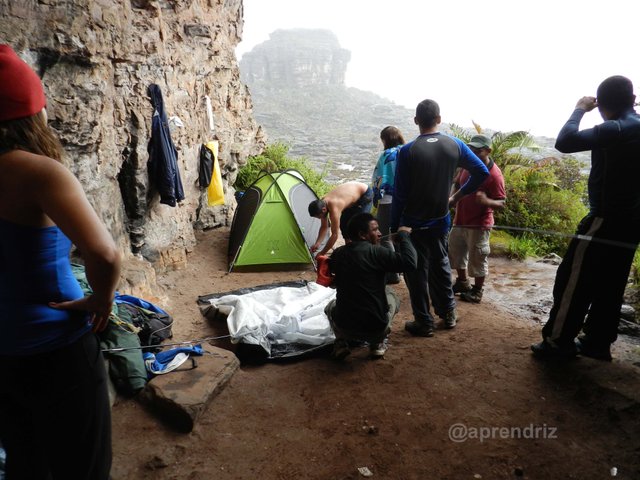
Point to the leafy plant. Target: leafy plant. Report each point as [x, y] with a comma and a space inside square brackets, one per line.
[506, 148]
[273, 159]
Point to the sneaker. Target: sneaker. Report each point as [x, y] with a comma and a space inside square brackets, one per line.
[450, 319]
[340, 350]
[377, 350]
[546, 350]
[419, 329]
[461, 286]
[588, 348]
[474, 295]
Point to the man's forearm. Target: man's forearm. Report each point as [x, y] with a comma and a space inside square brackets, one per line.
[330, 243]
[568, 141]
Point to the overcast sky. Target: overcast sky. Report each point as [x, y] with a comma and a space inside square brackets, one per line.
[506, 64]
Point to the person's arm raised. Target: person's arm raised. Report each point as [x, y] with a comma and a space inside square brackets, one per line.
[61, 197]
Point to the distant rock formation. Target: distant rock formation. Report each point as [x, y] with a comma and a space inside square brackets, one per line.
[297, 83]
[296, 59]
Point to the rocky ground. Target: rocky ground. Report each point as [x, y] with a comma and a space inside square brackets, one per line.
[470, 403]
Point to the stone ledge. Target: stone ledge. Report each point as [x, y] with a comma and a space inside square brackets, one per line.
[180, 397]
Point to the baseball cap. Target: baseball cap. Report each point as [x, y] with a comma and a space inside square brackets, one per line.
[21, 92]
[480, 141]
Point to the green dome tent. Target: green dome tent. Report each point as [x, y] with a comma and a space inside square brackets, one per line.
[271, 225]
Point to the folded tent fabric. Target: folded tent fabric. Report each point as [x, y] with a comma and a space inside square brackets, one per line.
[285, 318]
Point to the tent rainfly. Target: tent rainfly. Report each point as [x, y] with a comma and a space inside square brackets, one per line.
[271, 225]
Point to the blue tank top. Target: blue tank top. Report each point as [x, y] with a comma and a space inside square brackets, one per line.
[35, 270]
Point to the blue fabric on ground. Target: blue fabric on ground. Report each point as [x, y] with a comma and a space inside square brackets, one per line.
[161, 362]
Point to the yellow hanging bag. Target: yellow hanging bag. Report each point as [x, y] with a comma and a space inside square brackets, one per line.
[215, 191]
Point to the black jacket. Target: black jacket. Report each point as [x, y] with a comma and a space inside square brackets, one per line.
[615, 163]
[163, 156]
[359, 268]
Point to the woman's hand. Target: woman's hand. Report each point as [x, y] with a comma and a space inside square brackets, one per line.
[98, 308]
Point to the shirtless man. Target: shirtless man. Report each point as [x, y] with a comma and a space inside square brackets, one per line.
[335, 210]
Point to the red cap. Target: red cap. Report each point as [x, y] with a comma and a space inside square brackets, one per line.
[21, 92]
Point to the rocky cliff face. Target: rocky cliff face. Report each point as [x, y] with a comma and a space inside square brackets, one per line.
[97, 58]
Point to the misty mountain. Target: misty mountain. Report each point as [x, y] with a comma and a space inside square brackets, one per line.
[297, 83]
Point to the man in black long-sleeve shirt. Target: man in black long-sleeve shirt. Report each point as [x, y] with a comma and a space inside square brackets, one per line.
[364, 305]
[593, 274]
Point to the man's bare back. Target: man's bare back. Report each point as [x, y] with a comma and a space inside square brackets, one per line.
[344, 196]
[335, 202]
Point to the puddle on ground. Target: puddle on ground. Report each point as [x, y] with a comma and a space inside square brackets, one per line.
[521, 287]
[524, 289]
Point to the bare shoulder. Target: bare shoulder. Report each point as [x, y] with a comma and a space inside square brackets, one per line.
[19, 162]
[347, 193]
[31, 174]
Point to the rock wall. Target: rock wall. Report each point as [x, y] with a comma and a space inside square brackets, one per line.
[97, 58]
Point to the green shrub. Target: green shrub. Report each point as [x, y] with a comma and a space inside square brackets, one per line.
[274, 159]
[536, 203]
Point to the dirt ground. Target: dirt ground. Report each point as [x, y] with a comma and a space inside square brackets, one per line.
[468, 403]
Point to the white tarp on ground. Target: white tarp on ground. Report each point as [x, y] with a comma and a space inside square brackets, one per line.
[277, 316]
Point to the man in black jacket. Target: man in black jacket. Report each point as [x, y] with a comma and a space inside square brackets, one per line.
[364, 305]
[591, 279]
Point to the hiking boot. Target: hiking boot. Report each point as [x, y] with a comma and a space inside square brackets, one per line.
[546, 350]
[474, 295]
[450, 319]
[340, 350]
[588, 348]
[419, 329]
[461, 286]
[377, 350]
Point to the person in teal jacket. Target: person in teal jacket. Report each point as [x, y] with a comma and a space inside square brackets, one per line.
[382, 183]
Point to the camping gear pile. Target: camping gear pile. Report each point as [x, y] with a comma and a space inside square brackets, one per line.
[135, 325]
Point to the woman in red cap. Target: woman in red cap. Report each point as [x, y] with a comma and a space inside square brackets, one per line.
[54, 412]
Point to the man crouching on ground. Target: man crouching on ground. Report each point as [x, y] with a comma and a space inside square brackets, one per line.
[364, 306]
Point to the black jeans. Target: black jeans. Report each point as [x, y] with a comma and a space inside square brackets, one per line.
[363, 205]
[55, 420]
[590, 282]
[384, 222]
[431, 281]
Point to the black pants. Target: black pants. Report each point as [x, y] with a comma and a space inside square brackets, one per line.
[363, 205]
[431, 281]
[590, 282]
[384, 223]
[55, 421]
